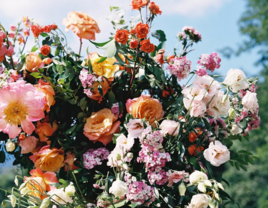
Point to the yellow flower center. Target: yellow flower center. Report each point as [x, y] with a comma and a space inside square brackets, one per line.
[15, 113]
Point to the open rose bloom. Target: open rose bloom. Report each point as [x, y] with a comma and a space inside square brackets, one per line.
[133, 126]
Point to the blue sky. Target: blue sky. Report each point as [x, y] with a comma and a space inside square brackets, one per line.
[216, 20]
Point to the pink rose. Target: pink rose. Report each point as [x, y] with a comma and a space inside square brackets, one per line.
[28, 144]
[176, 177]
[250, 102]
[170, 127]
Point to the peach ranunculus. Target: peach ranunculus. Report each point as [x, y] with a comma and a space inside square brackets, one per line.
[45, 130]
[40, 181]
[82, 25]
[69, 161]
[48, 159]
[95, 95]
[101, 126]
[49, 92]
[105, 68]
[137, 4]
[33, 62]
[145, 107]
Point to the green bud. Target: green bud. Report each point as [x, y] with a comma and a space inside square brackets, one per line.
[182, 189]
[231, 113]
[4, 204]
[13, 200]
[45, 203]
[118, 157]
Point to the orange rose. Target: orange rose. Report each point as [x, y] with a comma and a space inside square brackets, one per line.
[69, 161]
[154, 8]
[49, 92]
[48, 159]
[94, 92]
[147, 46]
[45, 130]
[137, 4]
[133, 44]
[45, 50]
[121, 36]
[82, 25]
[194, 151]
[145, 107]
[142, 30]
[101, 126]
[33, 62]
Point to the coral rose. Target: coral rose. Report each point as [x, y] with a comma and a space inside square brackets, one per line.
[101, 126]
[121, 36]
[145, 107]
[137, 4]
[45, 50]
[82, 25]
[154, 8]
[69, 161]
[33, 62]
[105, 68]
[28, 144]
[142, 30]
[48, 159]
[45, 130]
[49, 93]
[147, 46]
[133, 44]
[95, 95]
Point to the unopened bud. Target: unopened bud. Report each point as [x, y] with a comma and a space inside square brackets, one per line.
[130, 155]
[45, 203]
[231, 113]
[118, 157]
[10, 146]
[182, 189]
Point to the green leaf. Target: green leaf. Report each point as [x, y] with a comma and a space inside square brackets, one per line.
[34, 48]
[100, 44]
[102, 59]
[71, 130]
[119, 204]
[2, 156]
[83, 103]
[62, 181]
[36, 75]
[44, 35]
[160, 35]
[57, 51]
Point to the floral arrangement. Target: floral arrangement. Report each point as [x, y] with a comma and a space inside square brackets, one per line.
[118, 129]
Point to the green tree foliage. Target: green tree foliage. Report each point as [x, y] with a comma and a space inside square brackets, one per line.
[250, 188]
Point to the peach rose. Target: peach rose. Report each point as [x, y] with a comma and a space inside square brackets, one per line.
[121, 36]
[145, 107]
[142, 30]
[69, 161]
[33, 62]
[45, 130]
[95, 95]
[48, 159]
[82, 25]
[101, 125]
[137, 4]
[49, 93]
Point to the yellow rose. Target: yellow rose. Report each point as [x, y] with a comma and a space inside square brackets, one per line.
[101, 125]
[105, 68]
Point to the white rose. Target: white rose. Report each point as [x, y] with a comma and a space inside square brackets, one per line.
[235, 129]
[197, 176]
[219, 106]
[236, 80]
[250, 102]
[217, 153]
[10, 146]
[118, 188]
[199, 201]
[135, 127]
[124, 143]
[70, 190]
[59, 196]
[169, 127]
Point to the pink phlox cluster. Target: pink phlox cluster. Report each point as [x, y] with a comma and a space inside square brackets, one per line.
[160, 178]
[180, 67]
[253, 88]
[86, 78]
[253, 123]
[219, 126]
[193, 33]
[201, 71]
[115, 108]
[242, 93]
[93, 157]
[210, 61]
[140, 193]
[181, 36]
[152, 140]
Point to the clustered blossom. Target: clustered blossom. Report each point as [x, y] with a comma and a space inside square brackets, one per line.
[87, 81]
[193, 34]
[220, 128]
[201, 71]
[154, 158]
[5, 49]
[8, 76]
[180, 67]
[93, 157]
[210, 61]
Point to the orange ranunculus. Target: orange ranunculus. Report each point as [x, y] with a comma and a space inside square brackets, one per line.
[94, 94]
[192, 136]
[142, 30]
[69, 161]
[40, 181]
[193, 150]
[49, 92]
[45, 130]
[137, 4]
[82, 25]
[45, 50]
[133, 44]
[121, 36]
[147, 46]
[154, 8]
[145, 107]
[101, 126]
[48, 159]
[33, 62]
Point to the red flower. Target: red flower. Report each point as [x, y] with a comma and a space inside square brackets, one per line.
[192, 136]
[142, 30]
[121, 36]
[147, 46]
[133, 44]
[194, 151]
[45, 50]
[154, 8]
[36, 30]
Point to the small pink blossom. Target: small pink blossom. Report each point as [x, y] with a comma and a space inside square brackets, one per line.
[180, 67]
[210, 61]
[201, 72]
[13, 28]
[177, 176]
[28, 144]
[11, 34]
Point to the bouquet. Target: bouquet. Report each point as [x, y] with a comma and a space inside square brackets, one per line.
[117, 129]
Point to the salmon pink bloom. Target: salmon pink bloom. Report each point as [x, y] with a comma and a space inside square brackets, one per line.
[20, 105]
